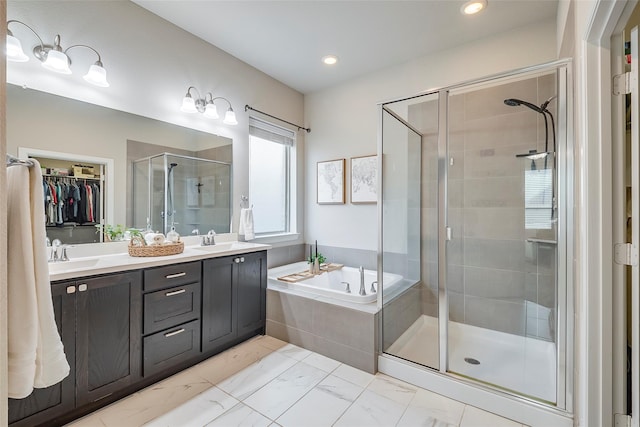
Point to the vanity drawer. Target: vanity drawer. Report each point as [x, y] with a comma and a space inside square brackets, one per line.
[171, 275]
[172, 306]
[170, 347]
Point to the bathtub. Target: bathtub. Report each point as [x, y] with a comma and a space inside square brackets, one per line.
[329, 284]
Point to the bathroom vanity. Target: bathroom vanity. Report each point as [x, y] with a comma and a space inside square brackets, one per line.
[130, 325]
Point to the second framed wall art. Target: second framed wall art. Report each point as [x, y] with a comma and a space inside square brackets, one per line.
[330, 182]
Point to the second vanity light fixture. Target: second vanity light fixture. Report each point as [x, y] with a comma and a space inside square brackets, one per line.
[206, 106]
[54, 57]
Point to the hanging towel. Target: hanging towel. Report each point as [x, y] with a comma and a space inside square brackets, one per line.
[36, 356]
[246, 224]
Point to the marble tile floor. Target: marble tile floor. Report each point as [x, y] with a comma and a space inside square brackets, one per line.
[268, 382]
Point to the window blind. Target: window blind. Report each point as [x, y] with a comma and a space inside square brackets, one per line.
[271, 132]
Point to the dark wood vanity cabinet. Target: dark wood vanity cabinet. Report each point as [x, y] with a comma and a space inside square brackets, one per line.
[171, 320]
[108, 329]
[99, 323]
[124, 331]
[233, 299]
[45, 404]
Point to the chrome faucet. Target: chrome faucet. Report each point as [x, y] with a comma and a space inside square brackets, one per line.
[346, 289]
[362, 291]
[54, 251]
[208, 239]
[195, 232]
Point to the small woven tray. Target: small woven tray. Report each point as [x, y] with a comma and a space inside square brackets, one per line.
[155, 250]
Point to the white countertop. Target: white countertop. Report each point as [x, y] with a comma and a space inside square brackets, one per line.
[110, 262]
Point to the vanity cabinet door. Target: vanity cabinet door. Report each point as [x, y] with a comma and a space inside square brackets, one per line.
[218, 302]
[45, 404]
[109, 328]
[251, 289]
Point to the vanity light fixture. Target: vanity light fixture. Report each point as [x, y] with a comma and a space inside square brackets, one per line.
[206, 106]
[473, 7]
[54, 57]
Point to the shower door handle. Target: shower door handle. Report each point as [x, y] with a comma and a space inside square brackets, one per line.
[449, 233]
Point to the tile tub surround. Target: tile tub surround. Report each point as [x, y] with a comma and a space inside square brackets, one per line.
[240, 386]
[337, 331]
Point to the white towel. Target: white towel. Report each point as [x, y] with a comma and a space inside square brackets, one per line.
[36, 355]
[246, 224]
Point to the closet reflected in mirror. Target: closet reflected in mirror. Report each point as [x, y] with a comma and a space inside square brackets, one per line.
[39, 124]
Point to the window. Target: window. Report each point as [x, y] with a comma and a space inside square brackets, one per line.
[271, 149]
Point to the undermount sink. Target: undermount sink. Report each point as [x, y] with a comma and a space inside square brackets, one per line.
[222, 247]
[56, 267]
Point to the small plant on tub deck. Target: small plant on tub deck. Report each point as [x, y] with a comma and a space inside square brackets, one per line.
[113, 233]
[321, 259]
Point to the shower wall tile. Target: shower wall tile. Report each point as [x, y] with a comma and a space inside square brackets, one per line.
[490, 253]
[457, 192]
[494, 161]
[456, 278]
[531, 287]
[503, 131]
[496, 284]
[546, 290]
[494, 223]
[400, 313]
[456, 307]
[496, 192]
[488, 102]
[503, 316]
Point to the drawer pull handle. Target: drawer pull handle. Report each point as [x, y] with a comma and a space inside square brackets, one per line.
[178, 292]
[173, 276]
[170, 334]
[82, 287]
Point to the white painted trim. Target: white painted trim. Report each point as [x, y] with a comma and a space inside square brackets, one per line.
[594, 219]
[24, 152]
[521, 410]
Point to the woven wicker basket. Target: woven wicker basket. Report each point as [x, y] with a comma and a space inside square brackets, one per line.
[155, 250]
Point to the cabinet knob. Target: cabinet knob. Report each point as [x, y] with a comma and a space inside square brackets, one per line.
[71, 289]
[241, 259]
[82, 287]
[236, 260]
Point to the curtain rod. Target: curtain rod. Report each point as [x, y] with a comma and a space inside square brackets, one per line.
[247, 107]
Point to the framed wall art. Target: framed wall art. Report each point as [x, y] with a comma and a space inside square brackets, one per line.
[330, 182]
[364, 179]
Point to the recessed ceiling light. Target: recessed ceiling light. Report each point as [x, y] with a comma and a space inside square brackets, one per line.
[473, 6]
[330, 59]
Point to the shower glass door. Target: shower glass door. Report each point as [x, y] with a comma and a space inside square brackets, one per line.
[475, 190]
[502, 210]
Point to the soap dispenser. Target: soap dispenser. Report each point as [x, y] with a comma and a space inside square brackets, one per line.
[173, 235]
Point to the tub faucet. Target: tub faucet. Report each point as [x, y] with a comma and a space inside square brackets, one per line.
[362, 291]
[347, 289]
[373, 290]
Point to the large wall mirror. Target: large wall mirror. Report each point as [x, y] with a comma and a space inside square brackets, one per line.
[43, 122]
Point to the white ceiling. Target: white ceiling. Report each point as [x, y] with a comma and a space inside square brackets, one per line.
[287, 39]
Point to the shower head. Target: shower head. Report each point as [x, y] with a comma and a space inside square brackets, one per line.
[534, 155]
[171, 166]
[513, 102]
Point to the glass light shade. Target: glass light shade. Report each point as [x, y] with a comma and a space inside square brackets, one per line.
[230, 118]
[57, 61]
[188, 105]
[14, 50]
[210, 111]
[97, 75]
[473, 7]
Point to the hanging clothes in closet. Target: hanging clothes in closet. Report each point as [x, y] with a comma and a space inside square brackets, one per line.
[70, 200]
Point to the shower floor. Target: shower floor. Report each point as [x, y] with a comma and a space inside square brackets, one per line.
[521, 364]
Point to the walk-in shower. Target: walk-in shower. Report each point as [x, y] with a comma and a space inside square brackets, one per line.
[486, 299]
[185, 192]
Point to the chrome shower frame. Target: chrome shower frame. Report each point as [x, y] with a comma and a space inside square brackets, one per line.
[509, 404]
